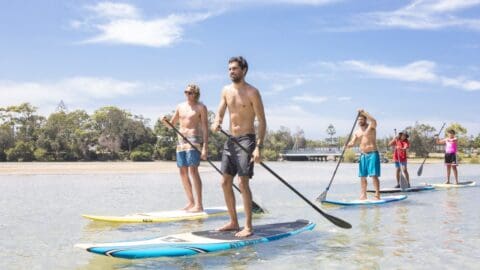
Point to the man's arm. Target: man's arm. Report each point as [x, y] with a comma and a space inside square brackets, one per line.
[352, 141]
[371, 120]
[174, 118]
[204, 124]
[257, 105]
[260, 114]
[222, 107]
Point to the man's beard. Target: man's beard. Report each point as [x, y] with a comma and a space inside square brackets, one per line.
[236, 79]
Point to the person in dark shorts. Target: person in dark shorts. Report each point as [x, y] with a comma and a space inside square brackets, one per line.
[244, 105]
[450, 154]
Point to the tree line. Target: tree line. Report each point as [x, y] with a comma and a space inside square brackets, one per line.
[111, 133]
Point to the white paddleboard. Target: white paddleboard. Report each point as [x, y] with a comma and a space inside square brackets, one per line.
[383, 200]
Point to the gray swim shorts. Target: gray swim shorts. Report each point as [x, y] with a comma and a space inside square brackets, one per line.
[235, 160]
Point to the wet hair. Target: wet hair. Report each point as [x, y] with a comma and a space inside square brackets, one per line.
[242, 62]
[195, 89]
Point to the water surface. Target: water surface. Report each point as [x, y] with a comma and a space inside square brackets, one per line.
[40, 221]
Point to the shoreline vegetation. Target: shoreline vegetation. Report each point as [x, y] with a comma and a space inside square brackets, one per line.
[122, 167]
[113, 134]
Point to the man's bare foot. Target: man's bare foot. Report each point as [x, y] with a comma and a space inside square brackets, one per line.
[363, 198]
[195, 209]
[229, 227]
[377, 197]
[447, 182]
[188, 206]
[244, 233]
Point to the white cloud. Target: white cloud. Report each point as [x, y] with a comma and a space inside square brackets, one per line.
[416, 71]
[115, 10]
[424, 14]
[237, 3]
[74, 91]
[310, 99]
[419, 71]
[123, 24]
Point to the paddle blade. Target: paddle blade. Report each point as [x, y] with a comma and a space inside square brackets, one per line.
[403, 182]
[337, 221]
[257, 209]
[322, 197]
[420, 170]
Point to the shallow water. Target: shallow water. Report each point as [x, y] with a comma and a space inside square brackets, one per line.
[40, 221]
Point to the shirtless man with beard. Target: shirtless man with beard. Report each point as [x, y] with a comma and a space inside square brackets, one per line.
[369, 164]
[244, 105]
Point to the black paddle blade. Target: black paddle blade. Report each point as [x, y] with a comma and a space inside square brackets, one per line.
[337, 221]
[257, 209]
[420, 170]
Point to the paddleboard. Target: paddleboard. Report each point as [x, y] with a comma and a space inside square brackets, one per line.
[459, 185]
[383, 200]
[193, 243]
[410, 189]
[165, 216]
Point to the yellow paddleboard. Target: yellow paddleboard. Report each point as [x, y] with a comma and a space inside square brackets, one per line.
[165, 216]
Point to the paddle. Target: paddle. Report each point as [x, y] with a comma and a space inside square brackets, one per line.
[339, 222]
[323, 196]
[420, 170]
[255, 207]
[403, 182]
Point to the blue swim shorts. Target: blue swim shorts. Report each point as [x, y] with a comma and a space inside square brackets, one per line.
[188, 158]
[397, 164]
[369, 164]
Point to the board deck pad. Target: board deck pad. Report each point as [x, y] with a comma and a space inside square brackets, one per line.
[459, 185]
[383, 200]
[163, 216]
[410, 189]
[196, 242]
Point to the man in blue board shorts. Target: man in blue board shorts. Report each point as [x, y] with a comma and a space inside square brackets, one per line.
[369, 164]
[192, 117]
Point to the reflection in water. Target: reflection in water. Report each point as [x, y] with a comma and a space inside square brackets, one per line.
[370, 247]
[400, 232]
[453, 216]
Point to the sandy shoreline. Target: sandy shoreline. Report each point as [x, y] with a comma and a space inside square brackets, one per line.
[123, 167]
[120, 167]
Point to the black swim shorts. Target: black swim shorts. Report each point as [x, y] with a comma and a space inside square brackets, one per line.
[235, 160]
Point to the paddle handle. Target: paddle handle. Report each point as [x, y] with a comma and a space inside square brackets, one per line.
[339, 222]
[255, 207]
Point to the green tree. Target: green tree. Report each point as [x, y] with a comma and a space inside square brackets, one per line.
[22, 151]
[421, 139]
[6, 140]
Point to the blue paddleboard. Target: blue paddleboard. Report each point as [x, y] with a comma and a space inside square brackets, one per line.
[193, 243]
[383, 200]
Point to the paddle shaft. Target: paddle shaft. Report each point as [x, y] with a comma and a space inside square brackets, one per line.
[323, 196]
[255, 207]
[420, 169]
[339, 222]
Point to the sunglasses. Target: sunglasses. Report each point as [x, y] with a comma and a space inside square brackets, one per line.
[189, 93]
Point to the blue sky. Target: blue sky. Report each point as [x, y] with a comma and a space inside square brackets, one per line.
[315, 61]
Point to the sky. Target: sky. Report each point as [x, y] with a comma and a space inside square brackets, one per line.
[315, 62]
